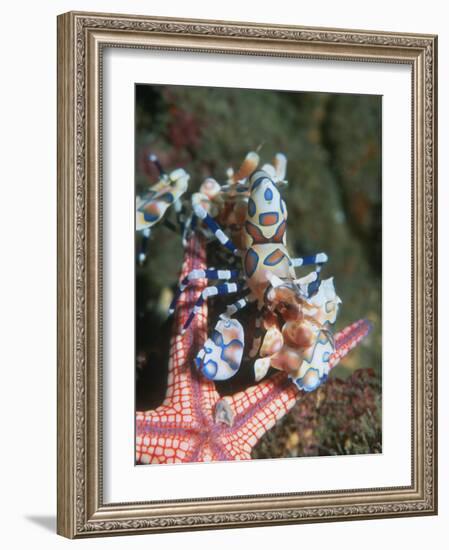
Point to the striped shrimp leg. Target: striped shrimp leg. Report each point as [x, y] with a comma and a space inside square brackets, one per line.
[196, 274]
[155, 160]
[142, 255]
[218, 232]
[232, 309]
[315, 259]
[208, 292]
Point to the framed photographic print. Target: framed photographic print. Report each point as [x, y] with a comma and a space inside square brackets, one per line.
[247, 274]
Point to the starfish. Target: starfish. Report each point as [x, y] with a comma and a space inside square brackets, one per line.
[194, 423]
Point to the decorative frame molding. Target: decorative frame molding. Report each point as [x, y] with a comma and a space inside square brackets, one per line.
[81, 39]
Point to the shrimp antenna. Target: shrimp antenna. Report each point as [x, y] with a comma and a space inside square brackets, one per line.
[155, 160]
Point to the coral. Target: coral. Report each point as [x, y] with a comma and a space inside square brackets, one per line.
[340, 417]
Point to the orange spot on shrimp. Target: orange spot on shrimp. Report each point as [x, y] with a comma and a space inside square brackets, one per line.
[274, 258]
[279, 235]
[251, 261]
[256, 234]
[269, 218]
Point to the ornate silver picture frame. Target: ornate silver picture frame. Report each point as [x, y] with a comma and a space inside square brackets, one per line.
[83, 39]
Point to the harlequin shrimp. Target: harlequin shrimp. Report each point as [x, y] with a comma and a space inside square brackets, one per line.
[294, 313]
[151, 207]
[228, 203]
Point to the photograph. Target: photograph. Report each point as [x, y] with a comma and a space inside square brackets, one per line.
[247, 283]
[221, 331]
[258, 274]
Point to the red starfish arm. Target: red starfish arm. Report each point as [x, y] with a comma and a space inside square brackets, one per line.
[187, 390]
[172, 432]
[347, 339]
[159, 441]
[251, 413]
